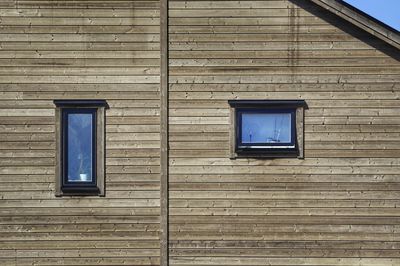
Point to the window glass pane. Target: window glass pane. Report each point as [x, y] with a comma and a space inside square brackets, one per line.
[266, 128]
[80, 147]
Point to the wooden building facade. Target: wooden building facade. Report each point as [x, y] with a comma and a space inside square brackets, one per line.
[174, 194]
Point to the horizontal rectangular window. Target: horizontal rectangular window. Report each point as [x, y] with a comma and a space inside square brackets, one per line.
[266, 128]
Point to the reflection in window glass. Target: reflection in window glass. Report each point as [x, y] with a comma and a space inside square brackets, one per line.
[80, 147]
[266, 128]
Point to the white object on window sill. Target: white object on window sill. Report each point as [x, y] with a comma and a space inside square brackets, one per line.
[84, 177]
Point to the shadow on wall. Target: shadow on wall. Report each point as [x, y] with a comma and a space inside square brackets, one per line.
[348, 28]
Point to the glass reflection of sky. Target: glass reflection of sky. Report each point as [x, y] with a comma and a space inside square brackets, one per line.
[79, 147]
[266, 128]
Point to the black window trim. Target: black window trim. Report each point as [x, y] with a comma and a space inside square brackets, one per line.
[97, 185]
[240, 146]
[81, 103]
[296, 106]
[64, 135]
[267, 103]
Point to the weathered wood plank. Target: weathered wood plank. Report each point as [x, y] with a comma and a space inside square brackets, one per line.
[90, 49]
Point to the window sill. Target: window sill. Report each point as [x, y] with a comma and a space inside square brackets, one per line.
[267, 154]
[80, 191]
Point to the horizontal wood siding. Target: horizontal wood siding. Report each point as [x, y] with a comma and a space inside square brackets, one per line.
[338, 206]
[79, 50]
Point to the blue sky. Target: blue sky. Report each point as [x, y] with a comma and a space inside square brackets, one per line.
[387, 11]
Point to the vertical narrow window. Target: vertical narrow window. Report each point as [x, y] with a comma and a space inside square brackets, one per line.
[80, 147]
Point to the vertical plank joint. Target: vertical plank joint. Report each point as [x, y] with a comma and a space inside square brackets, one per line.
[164, 132]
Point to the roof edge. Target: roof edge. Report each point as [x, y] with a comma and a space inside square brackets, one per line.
[362, 20]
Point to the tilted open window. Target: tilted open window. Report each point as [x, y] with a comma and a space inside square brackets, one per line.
[80, 147]
[267, 128]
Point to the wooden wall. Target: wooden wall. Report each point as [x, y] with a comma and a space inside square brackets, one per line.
[339, 206]
[103, 49]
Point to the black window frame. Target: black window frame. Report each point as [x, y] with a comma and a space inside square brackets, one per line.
[268, 150]
[284, 146]
[96, 186]
[82, 185]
